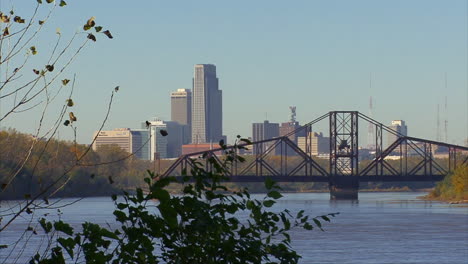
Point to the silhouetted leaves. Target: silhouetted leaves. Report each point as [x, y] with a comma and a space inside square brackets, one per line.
[50, 68]
[72, 117]
[70, 102]
[92, 37]
[18, 19]
[6, 32]
[65, 81]
[163, 132]
[89, 24]
[66, 123]
[116, 89]
[108, 34]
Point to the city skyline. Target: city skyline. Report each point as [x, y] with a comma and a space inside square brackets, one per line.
[315, 55]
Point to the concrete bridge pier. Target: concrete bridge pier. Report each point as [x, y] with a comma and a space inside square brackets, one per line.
[344, 187]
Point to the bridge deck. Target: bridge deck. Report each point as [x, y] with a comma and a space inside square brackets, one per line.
[379, 178]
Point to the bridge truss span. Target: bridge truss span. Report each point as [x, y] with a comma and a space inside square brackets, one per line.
[293, 157]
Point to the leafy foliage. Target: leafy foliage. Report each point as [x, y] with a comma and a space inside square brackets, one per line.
[453, 187]
[200, 226]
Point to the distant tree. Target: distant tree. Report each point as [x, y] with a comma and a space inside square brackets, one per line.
[33, 79]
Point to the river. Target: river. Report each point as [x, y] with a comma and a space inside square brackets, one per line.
[381, 227]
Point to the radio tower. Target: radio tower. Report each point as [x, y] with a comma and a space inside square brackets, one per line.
[438, 124]
[446, 112]
[370, 130]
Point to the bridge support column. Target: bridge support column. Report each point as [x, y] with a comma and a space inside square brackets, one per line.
[344, 188]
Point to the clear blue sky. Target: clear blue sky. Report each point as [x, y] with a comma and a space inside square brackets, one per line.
[316, 55]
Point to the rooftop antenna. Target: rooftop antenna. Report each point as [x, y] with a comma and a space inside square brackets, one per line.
[446, 112]
[292, 118]
[370, 129]
[438, 124]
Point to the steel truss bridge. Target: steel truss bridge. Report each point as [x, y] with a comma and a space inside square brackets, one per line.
[284, 161]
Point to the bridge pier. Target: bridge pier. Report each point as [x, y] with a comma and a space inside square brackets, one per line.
[343, 187]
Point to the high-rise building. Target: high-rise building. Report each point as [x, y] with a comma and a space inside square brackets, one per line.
[181, 111]
[400, 127]
[169, 146]
[140, 143]
[129, 140]
[263, 131]
[207, 113]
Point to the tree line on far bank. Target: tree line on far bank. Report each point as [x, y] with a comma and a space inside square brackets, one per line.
[108, 170]
[454, 187]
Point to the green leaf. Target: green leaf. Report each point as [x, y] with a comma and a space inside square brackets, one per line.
[98, 28]
[269, 203]
[324, 217]
[160, 194]
[106, 233]
[50, 67]
[66, 123]
[47, 226]
[269, 183]
[33, 50]
[62, 3]
[49, 1]
[3, 246]
[68, 244]
[63, 227]
[300, 214]
[317, 222]
[121, 217]
[274, 194]
[65, 81]
[308, 226]
[114, 197]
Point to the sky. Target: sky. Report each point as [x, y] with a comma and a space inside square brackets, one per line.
[316, 55]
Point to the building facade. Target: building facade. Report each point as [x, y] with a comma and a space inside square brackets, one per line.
[316, 144]
[207, 114]
[400, 127]
[263, 131]
[140, 143]
[120, 137]
[169, 146]
[181, 111]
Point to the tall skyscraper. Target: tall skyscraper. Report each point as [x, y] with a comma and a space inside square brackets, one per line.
[400, 127]
[207, 111]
